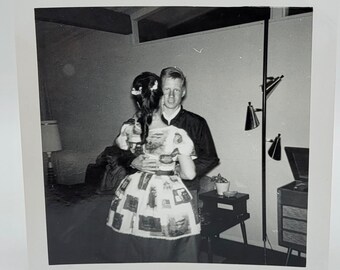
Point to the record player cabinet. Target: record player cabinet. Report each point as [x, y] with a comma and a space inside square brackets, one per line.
[292, 203]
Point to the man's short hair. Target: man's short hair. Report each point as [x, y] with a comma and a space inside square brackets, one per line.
[174, 73]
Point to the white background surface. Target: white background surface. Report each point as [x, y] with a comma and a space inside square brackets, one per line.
[324, 191]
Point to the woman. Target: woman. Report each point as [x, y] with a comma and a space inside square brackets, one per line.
[152, 216]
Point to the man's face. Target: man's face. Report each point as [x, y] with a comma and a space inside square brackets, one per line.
[173, 92]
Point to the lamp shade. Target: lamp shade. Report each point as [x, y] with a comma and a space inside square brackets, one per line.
[272, 84]
[50, 136]
[275, 149]
[251, 119]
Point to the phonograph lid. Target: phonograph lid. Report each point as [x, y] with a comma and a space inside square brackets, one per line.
[298, 160]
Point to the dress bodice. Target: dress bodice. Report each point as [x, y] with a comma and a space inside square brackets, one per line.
[163, 144]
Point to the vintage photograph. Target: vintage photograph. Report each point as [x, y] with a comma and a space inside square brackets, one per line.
[175, 134]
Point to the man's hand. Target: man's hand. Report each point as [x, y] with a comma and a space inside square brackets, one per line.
[145, 164]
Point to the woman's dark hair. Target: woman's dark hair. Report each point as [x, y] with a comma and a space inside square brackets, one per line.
[147, 92]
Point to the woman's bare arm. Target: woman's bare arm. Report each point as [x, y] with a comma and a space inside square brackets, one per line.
[187, 167]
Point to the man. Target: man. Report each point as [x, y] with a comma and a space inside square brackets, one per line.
[174, 89]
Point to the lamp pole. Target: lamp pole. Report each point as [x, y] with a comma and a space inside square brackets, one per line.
[50, 170]
[264, 126]
[50, 143]
[268, 86]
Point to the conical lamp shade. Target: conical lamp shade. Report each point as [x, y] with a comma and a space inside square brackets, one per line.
[275, 149]
[272, 84]
[251, 120]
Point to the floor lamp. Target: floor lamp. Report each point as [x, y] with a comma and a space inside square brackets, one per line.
[50, 143]
[268, 86]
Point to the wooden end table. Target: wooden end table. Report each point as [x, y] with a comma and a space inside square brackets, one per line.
[221, 213]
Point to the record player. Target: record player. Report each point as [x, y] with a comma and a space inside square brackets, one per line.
[292, 202]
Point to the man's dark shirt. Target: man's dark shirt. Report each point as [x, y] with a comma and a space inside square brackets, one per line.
[199, 132]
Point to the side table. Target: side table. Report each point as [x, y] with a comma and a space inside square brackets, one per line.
[222, 213]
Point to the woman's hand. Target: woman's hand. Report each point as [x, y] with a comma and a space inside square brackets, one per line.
[145, 163]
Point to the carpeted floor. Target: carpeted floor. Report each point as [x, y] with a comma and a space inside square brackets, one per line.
[75, 222]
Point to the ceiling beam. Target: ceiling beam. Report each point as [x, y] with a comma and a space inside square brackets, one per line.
[194, 13]
[136, 17]
[144, 12]
[278, 13]
[93, 18]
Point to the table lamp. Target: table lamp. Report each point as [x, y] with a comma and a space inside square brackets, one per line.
[50, 143]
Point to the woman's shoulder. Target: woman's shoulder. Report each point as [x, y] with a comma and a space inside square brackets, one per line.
[182, 142]
[179, 135]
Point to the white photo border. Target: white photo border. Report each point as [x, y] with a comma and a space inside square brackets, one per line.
[321, 128]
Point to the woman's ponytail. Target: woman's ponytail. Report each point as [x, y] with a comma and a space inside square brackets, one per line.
[147, 93]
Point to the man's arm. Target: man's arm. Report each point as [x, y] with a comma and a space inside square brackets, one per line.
[125, 159]
[133, 163]
[207, 158]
